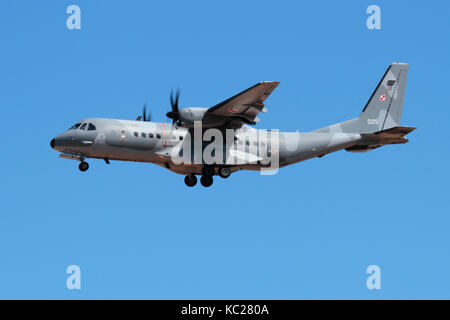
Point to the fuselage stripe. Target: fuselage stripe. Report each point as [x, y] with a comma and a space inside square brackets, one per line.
[165, 141]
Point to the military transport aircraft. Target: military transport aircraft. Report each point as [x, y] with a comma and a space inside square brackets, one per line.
[241, 147]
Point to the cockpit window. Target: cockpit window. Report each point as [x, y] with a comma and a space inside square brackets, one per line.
[91, 127]
[83, 127]
[75, 126]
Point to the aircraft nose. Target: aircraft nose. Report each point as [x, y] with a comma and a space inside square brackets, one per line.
[52, 143]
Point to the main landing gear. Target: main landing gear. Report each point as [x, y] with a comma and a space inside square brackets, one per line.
[83, 166]
[190, 180]
[207, 176]
[206, 180]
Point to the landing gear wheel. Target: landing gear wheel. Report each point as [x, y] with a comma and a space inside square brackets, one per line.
[190, 180]
[206, 180]
[224, 172]
[83, 166]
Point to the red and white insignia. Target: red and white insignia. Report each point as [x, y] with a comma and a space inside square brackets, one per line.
[232, 110]
[382, 97]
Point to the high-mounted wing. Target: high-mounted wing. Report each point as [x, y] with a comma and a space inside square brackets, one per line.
[245, 106]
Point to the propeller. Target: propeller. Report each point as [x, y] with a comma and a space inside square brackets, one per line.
[174, 114]
[145, 116]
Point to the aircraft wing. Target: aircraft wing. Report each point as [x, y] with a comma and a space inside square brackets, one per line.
[245, 106]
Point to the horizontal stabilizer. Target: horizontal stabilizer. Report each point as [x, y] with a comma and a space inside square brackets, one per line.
[370, 141]
[389, 136]
[397, 130]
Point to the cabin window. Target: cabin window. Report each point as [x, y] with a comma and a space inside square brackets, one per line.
[181, 138]
[91, 127]
[158, 136]
[143, 135]
[75, 126]
[150, 135]
[136, 134]
[83, 126]
[247, 142]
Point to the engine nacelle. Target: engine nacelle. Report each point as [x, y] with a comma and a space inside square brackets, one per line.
[187, 116]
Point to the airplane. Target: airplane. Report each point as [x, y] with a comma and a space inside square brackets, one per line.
[247, 148]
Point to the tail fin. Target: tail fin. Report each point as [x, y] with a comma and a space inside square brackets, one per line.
[384, 108]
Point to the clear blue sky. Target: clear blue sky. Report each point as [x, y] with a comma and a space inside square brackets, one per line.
[137, 231]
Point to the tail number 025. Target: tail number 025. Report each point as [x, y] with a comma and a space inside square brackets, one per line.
[372, 121]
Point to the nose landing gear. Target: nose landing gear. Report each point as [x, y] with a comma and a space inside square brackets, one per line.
[83, 166]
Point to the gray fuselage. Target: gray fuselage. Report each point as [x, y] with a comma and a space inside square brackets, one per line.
[154, 142]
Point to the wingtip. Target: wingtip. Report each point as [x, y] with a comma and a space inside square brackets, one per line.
[274, 82]
[400, 63]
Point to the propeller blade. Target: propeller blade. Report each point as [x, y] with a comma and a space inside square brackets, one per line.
[144, 113]
[176, 99]
[174, 114]
[174, 103]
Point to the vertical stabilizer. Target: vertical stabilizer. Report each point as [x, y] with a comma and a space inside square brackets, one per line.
[385, 105]
[384, 108]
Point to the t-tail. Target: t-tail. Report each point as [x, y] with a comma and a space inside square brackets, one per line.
[379, 121]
